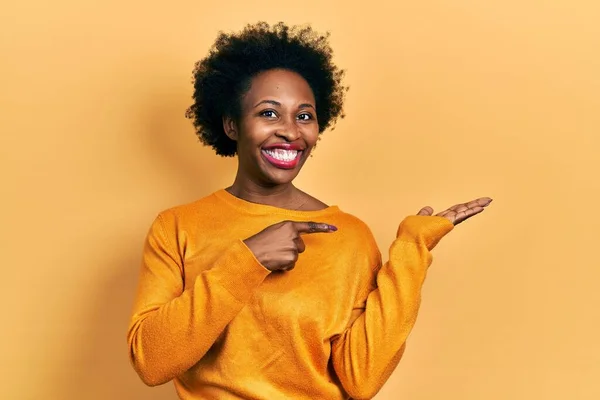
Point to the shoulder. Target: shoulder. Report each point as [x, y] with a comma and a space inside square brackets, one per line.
[355, 232]
[179, 216]
[205, 204]
[353, 223]
[177, 225]
[357, 241]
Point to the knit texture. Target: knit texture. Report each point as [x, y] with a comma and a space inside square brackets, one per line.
[212, 319]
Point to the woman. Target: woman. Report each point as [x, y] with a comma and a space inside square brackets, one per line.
[261, 291]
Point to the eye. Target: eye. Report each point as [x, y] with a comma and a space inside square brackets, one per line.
[268, 114]
[305, 117]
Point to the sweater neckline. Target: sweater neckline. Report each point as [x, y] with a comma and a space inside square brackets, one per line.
[263, 209]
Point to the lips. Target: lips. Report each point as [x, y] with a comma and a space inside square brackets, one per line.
[284, 156]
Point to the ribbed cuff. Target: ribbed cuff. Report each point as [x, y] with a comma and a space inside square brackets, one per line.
[424, 229]
[240, 272]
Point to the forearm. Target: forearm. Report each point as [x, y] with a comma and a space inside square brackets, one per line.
[366, 354]
[166, 339]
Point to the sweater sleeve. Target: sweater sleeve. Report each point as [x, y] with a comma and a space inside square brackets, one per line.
[366, 354]
[172, 326]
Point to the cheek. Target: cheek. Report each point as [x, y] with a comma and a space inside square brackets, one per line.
[251, 135]
[311, 135]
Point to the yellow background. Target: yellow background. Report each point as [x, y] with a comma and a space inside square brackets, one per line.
[449, 100]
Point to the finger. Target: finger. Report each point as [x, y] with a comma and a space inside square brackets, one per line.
[480, 202]
[288, 267]
[459, 208]
[425, 211]
[300, 246]
[446, 213]
[291, 264]
[313, 227]
[464, 215]
[285, 268]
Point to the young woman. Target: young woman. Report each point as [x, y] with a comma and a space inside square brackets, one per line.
[259, 290]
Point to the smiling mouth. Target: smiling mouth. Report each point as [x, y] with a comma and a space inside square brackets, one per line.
[282, 158]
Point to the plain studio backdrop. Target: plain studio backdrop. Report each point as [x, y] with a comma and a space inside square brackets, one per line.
[449, 101]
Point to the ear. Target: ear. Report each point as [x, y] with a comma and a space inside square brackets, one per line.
[230, 128]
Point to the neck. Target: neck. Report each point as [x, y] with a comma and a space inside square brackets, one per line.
[281, 196]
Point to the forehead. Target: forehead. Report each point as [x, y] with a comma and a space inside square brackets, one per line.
[287, 87]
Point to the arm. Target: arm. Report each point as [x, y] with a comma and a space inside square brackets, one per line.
[366, 354]
[171, 328]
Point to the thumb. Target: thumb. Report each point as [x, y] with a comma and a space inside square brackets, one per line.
[425, 211]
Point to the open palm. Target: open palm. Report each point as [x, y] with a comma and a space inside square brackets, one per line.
[460, 212]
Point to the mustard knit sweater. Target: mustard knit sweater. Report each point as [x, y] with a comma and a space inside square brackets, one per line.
[210, 317]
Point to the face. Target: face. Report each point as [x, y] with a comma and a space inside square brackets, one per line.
[277, 129]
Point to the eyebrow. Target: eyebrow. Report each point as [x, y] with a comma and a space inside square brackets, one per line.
[278, 104]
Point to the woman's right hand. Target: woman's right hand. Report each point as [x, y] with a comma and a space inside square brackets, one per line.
[277, 247]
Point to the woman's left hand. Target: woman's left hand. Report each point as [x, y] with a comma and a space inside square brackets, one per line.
[460, 212]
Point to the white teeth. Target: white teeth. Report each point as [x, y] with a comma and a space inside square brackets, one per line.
[282, 155]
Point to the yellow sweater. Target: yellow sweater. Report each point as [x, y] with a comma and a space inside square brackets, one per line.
[211, 318]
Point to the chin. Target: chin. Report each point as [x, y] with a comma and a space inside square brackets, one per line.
[281, 177]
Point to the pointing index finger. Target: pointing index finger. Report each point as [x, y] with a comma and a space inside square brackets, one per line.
[313, 227]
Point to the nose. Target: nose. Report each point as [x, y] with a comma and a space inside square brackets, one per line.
[288, 130]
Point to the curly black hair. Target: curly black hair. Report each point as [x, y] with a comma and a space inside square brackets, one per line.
[224, 76]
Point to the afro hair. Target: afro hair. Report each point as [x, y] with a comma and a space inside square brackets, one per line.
[223, 77]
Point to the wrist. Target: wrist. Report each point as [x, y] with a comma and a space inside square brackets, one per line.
[425, 229]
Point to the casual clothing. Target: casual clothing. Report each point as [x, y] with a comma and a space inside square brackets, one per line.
[211, 318]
